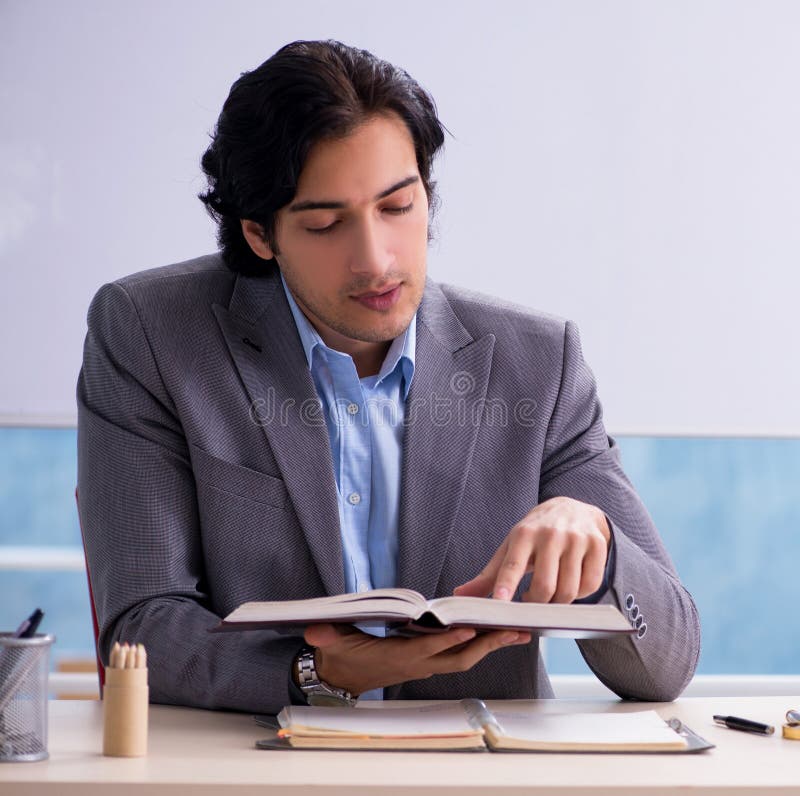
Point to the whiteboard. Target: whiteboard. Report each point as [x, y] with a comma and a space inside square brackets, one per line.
[632, 166]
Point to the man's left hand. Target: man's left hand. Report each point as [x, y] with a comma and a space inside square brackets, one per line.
[562, 541]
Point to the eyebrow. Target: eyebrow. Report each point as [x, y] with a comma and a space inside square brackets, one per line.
[299, 207]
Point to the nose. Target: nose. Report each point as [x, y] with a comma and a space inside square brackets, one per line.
[371, 254]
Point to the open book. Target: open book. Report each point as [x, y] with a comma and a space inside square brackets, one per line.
[404, 611]
[469, 725]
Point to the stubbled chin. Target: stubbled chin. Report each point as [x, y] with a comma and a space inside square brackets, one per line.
[383, 328]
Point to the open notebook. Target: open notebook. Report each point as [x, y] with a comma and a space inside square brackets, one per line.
[469, 725]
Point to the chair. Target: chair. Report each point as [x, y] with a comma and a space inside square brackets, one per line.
[101, 671]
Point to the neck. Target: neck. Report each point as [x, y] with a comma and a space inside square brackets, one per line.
[367, 357]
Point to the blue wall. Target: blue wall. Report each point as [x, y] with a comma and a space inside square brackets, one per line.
[38, 471]
[728, 509]
[729, 513]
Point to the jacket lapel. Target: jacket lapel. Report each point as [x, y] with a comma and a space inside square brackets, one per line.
[263, 341]
[443, 414]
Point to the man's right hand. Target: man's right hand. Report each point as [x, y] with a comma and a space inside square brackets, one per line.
[349, 659]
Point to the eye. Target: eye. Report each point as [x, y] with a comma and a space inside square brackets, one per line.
[322, 230]
[399, 211]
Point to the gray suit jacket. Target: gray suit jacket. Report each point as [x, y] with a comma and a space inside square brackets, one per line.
[205, 480]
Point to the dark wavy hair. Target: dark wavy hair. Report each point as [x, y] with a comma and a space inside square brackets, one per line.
[309, 91]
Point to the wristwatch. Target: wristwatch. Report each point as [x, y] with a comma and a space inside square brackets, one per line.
[318, 692]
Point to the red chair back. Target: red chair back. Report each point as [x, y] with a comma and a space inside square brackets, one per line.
[101, 671]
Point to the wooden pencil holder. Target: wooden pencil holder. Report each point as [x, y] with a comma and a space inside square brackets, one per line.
[125, 703]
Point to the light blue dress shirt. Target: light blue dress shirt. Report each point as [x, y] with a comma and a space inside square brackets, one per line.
[365, 422]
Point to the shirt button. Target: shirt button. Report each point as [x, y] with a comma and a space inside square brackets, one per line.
[363, 587]
[352, 409]
[354, 498]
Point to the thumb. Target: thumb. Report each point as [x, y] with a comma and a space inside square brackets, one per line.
[321, 635]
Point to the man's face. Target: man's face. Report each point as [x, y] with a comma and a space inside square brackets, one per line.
[353, 242]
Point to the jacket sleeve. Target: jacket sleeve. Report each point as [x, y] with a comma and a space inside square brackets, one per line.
[139, 517]
[582, 462]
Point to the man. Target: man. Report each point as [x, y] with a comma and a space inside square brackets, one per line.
[306, 414]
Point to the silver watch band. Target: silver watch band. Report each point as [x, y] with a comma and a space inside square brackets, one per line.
[318, 692]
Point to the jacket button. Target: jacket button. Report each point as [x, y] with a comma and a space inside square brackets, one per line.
[629, 601]
[642, 630]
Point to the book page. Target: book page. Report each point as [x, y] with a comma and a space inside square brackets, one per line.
[392, 603]
[406, 612]
[478, 611]
[432, 721]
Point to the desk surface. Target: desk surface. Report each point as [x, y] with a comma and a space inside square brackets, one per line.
[195, 751]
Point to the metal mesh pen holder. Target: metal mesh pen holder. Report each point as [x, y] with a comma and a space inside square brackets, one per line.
[24, 664]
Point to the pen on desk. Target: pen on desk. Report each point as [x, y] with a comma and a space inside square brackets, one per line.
[30, 625]
[745, 725]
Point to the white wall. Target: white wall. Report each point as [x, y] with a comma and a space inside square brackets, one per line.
[631, 165]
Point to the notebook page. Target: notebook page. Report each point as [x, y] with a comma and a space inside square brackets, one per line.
[427, 721]
[641, 728]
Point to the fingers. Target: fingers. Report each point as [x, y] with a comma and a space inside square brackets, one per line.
[546, 565]
[515, 561]
[481, 585]
[464, 658]
[360, 662]
[567, 569]
[322, 635]
[565, 566]
[563, 542]
[570, 569]
[436, 643]
[594, 566]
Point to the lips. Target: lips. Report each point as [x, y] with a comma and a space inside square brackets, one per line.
[379, 300]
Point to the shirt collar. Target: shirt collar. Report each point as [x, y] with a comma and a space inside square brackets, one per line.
[401, 352]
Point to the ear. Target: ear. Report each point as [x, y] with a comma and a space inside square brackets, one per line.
[254, 235]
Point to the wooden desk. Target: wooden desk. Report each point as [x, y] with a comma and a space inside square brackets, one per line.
[195, 751]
